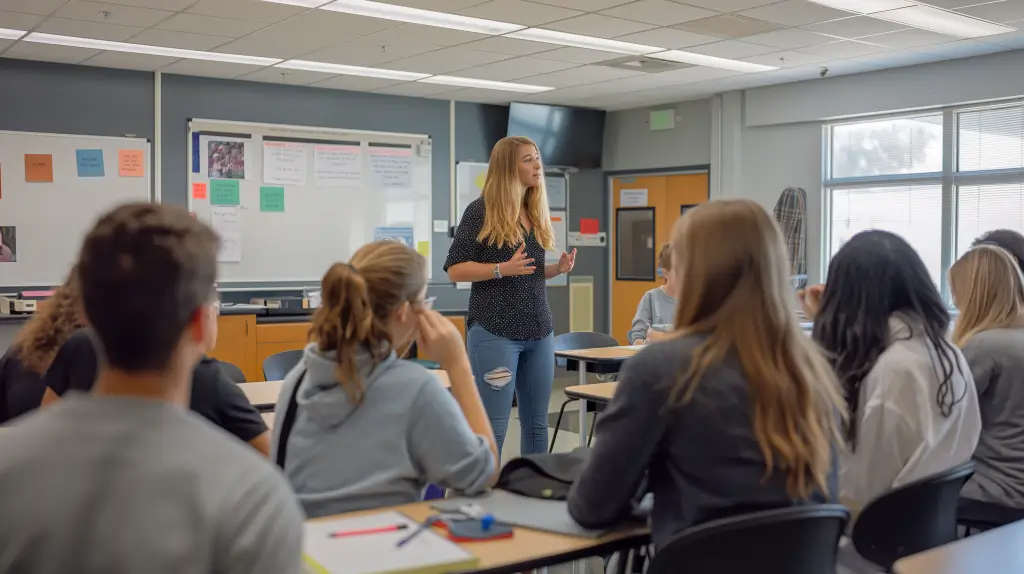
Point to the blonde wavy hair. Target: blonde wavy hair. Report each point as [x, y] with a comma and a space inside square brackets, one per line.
[38, 342]
[504, 196]
[988, 289]
[734, 287]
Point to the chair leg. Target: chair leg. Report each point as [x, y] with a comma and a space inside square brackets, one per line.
[593, 425]
[558, 423]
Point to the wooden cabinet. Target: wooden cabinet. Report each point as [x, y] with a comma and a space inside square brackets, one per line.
[236, 344]
[273, 338]
[460, 324]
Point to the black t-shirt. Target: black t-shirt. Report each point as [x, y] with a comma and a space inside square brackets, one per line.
[214, 396]
[511, 307]
[20, 390]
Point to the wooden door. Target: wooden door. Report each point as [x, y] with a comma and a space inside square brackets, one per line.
[645, 229]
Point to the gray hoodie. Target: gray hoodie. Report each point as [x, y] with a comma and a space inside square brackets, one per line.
[408, 432]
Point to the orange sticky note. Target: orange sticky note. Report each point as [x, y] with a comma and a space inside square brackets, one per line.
[198, 190]
[38, 168]
[130, 163]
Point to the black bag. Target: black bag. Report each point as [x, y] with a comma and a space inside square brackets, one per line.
[287, 422]
[547, 476]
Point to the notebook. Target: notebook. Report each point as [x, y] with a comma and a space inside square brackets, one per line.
[427, 553]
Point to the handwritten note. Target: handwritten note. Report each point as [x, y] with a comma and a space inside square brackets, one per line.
[224, 192]
[89, 162]
[131, 163]
[340, 165]
[392, 166]
[284, 163]
[38, 168]
[227, 222]
[272, 199]
[198, 190]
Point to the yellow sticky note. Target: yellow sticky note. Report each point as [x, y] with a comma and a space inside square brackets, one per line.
[423, 248]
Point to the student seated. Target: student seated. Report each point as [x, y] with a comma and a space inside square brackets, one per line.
[22, 367]
[126, 479]
[657, 306]
[370, 429]
[738, 411]
[988, 290]
[913, 408]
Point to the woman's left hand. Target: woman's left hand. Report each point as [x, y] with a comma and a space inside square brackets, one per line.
[567, 261]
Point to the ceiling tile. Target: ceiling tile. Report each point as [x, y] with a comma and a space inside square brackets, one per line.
[283, 76]
[184, 40]
[210, 25]
[731, 49]
[844, 49]
[412, 33]
[910, 38]
[1009, 11]
[418, 89]
[585, 5]
[41, 7]
[961, 49]
[519, 12]
[18, 20]
[356, 83]
[514, 68]
[729, 5]
[599, 26]
[668, 38]
[785, 59]
[209, 69]
[855, 27]
[510, 46]
[172, 5]
[252, 10]
[481, 96]
[4, 44]
[580, 76]
[789, 39]
[659, 12]
[82, 29]
[437, 5]
[952, 3]
[1010, 40]
[281, 41]
[445, 61]
[368, 52]
[577, 55]
[728, 26]
[795, 13]
[48, 53]
[115, 14]
[344, 23]
[126, 61]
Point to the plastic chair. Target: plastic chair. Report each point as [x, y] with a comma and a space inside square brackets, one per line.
[275, 367]
[232, 372]
[978, 515]
[572, 342]
[792, 540]
[912, 518]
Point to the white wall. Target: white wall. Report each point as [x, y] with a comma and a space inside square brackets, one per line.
[630, 144]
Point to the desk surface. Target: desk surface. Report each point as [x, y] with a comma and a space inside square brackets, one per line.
[598, 392]
[527, 549]
[599, 355]
[991, 552]
[264, 394]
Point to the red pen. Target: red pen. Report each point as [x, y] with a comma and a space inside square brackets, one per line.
[377, 530]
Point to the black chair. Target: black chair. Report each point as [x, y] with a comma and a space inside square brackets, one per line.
[232, 371]
[792, 540]
[915, 517]
[275, 367]
[978, 515]
[572, 342]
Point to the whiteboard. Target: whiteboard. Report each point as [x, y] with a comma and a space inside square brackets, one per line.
[52, 218]
[341, 190]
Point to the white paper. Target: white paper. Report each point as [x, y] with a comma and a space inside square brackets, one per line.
[284, 163]
[559, 224]
[440, 226]
[556, 186]
[337, 165]
[392, 166]
[227, 222]
[633, 198]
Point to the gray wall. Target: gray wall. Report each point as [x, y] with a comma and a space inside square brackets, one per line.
[629, 143]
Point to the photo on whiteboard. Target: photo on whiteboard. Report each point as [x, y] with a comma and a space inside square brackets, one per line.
[8, 244]
[226, 159]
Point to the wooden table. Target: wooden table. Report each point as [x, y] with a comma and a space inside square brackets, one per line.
[263, 395]
[527, 549]
[598, 392]
[997, 551]
[604, 360]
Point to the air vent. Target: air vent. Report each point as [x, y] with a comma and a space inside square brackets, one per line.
[643, 64]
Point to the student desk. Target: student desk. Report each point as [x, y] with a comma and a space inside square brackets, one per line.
[602, 361]
[263, 395]
[597, 393]
[527, 549]
[996, 551]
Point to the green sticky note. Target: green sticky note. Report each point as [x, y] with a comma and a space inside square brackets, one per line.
[271, 199]
[663, 120]
[224, 192]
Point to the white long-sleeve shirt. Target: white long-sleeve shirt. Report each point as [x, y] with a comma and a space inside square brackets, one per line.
[901, 435]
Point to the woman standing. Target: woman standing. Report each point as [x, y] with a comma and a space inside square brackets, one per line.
[499, 245]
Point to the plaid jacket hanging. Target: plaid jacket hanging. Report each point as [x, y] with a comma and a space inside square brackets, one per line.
[791, 213]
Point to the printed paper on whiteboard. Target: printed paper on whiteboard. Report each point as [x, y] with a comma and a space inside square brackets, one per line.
[633, 198]
[227, 222]
[392, 165]
[337, 165]
[284, 163]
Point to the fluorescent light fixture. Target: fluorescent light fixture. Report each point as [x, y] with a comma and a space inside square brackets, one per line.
[578, 41]
[424, 17]
[94, 44]
[710, 61]
[944, 22]
[303, 3]
[485, 84]
[866, 6]
[329, 68]
[8, 34]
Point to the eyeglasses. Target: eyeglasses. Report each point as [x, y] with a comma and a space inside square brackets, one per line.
[428, 303]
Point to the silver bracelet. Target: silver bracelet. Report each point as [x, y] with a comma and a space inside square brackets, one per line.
[497, 271]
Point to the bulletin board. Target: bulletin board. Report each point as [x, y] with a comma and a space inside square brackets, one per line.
[53, 188]
[289, 201]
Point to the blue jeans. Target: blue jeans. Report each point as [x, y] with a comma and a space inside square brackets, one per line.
[502, 367]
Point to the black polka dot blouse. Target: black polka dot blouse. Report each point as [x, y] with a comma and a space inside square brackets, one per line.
[511, 307]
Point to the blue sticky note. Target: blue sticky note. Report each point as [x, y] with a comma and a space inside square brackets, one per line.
[90, 162]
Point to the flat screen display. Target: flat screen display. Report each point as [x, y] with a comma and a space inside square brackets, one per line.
[565, 137]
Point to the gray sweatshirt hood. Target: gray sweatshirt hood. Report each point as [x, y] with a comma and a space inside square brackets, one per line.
[322, 397]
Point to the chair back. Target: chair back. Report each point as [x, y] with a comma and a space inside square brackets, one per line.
[583, 340]
[913, 518]
[793, 540]
[275, 367]
[232, 371]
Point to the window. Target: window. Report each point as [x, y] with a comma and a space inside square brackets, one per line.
[887, 147]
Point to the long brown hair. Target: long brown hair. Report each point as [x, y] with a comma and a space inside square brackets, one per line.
[504, 196]
[38, 342]
[988, 289]
[734, 287]
[358, 298]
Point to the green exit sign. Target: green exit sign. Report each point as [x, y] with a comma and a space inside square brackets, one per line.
[662, 120]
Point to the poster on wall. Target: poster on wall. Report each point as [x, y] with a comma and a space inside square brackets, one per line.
[337, 165]
[225, 159]
[392, 165]
[469, 184]
[284, 163]
[8, 244]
